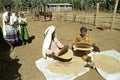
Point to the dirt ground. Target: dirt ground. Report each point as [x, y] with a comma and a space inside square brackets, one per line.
[66, 33]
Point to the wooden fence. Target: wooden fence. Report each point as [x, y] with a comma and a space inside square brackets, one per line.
[103, 19]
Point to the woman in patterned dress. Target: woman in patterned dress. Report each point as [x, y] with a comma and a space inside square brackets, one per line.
[9, 32]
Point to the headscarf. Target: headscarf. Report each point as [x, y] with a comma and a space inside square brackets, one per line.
[48, 39]
[5, 14]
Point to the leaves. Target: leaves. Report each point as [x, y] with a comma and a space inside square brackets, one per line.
[78, 4]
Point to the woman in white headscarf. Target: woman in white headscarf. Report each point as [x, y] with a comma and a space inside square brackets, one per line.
[51, 43]
[24, 36]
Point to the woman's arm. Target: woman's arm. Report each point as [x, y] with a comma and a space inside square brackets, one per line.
[49, 52]
[57, 42]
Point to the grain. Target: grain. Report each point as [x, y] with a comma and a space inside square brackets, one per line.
[75, 66]
[108, 64]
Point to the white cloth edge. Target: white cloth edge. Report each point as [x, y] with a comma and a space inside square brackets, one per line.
[105, 75]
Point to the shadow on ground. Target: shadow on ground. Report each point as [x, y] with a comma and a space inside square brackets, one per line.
[31, 38]
[8, 67]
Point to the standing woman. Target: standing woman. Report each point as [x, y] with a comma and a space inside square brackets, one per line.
[22, 28]
[9, 32]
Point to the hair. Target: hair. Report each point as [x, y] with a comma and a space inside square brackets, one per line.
[83, 29]
[8, 6]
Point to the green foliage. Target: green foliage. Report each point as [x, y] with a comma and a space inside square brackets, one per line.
[78, 4]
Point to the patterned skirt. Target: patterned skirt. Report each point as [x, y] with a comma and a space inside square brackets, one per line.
[11, 34]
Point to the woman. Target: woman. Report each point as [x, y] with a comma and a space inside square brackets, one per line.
[9, 32]
[22, 28]
[51, 43]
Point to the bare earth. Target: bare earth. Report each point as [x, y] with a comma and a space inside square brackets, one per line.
[66, 33]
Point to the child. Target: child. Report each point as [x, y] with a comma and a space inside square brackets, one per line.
[85, 38]
[22, 28]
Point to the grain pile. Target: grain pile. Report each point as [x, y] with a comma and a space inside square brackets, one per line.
[83, 45]
[64, 54]
[107, 63]
[75, 66]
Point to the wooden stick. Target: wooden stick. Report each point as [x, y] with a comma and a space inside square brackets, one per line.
[114, 13]
[96, 14]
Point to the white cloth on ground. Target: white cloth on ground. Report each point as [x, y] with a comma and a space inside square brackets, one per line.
[107, 76]
[42, 65]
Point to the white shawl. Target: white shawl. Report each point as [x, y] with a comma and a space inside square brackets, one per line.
[4, 19]
[47, 40]
[19, 21]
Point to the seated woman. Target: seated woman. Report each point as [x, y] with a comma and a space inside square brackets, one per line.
[51, 43]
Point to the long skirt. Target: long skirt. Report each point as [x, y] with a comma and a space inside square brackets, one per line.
[11, 34]
[23, 33]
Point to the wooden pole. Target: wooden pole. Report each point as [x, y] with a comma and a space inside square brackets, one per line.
[74, 15]
[96, 14]
[73, 5]
[82, 7]
[28, 10]
[114, 13]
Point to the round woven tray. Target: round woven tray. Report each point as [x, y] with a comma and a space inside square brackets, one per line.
[67, 55]
[82, 49]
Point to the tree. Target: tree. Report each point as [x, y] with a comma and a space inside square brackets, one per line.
[78, 4]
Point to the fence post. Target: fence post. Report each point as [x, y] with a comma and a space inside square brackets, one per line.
[28, 10]
[96, 14]
[114, 13]
[65, 15]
